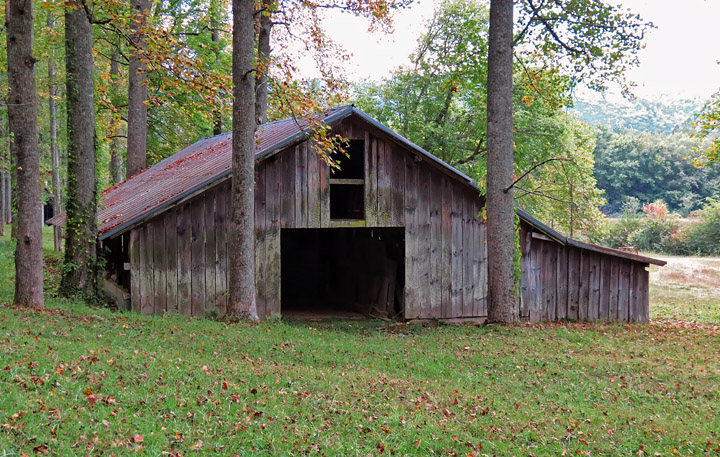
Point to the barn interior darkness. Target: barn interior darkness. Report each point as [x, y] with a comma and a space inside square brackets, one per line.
[342, 272]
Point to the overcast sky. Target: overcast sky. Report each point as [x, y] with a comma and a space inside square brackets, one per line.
[680, 58]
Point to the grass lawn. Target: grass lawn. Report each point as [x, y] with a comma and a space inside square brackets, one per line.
[86, 381]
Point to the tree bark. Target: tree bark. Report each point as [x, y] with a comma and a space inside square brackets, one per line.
[116, 168]
[215, 12]
[54, 152]
[261, 80]
[137, 90]
[242, 221]
[81, 224]
[22, 113]
[502, 301]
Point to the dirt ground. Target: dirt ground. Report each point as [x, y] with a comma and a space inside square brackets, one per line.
[689, 271]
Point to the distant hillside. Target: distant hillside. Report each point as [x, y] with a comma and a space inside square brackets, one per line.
[664, 116]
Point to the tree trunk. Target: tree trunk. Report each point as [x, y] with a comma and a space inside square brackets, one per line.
[242, 221]
[261, 80]
[215, 12]
[137, 90]
[3, 201]
[54, 152]
[22, 113]
[116, 168]
[81, 225]
[502, 302]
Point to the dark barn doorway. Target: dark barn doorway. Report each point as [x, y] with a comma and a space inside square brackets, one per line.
[342, 272]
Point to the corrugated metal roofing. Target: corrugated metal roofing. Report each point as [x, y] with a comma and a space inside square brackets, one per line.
[195, 167]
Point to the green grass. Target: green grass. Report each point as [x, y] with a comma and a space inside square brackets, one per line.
[76, 380]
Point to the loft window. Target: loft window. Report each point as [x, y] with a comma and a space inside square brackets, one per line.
[347, 185]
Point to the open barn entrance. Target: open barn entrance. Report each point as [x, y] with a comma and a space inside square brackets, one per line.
[342, 272]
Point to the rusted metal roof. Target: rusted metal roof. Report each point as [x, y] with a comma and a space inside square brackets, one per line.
[200, 165]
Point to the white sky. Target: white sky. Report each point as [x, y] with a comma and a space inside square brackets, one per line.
[680, 58]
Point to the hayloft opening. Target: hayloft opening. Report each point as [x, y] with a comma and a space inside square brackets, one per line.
[342, 273]
[347, 185]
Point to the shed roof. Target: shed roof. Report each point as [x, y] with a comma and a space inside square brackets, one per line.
[208, 161]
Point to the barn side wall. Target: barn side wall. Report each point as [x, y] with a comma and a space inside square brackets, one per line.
[179, 258]
[563, 282]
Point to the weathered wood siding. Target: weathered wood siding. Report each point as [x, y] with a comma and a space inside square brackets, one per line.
[563, 282]
[179, 258]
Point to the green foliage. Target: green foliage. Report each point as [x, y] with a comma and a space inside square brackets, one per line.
[648, 167]
[660, 231]
[591, 40]
[440, 103]
[708, 128]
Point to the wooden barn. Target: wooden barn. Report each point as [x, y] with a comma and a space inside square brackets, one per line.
[395, 233]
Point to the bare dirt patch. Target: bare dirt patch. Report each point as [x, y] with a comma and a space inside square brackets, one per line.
[688, 271]
[687, 289]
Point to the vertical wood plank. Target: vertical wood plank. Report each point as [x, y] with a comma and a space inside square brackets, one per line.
[550, 311]
[412, 274]
[197, 248]
[584, 299]
[436, 245]
[447, 246]
[371, 208]
[613, 288]
[301, 186]
[261, 283]
[384, 184]
[184, 260]
[623, 291]
[468, 285]
[287, 188]
[632, 295]
[484, 267]
[574, 273]
[210, 253]
[314, 194]
[272, 237]
[594, 283]
[397, 218]
[134, 270]
[477, 259]
[643, 282]
[171, 260]
[221, 213]
[526, 280]
[604, 305]
[324, 195]
[146, 272]
[456, 291]
[562, 283]
[159, 265]
[423, 241]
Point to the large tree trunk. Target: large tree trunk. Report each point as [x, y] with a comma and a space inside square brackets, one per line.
[215, 13]
[79, 272]
[137, 90]
[261, 80]
[54, 152]
[116, 168]
[241, 230]
[22, 115]
[502, 302]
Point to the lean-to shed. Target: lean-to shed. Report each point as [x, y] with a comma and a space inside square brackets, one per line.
[396, 232]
